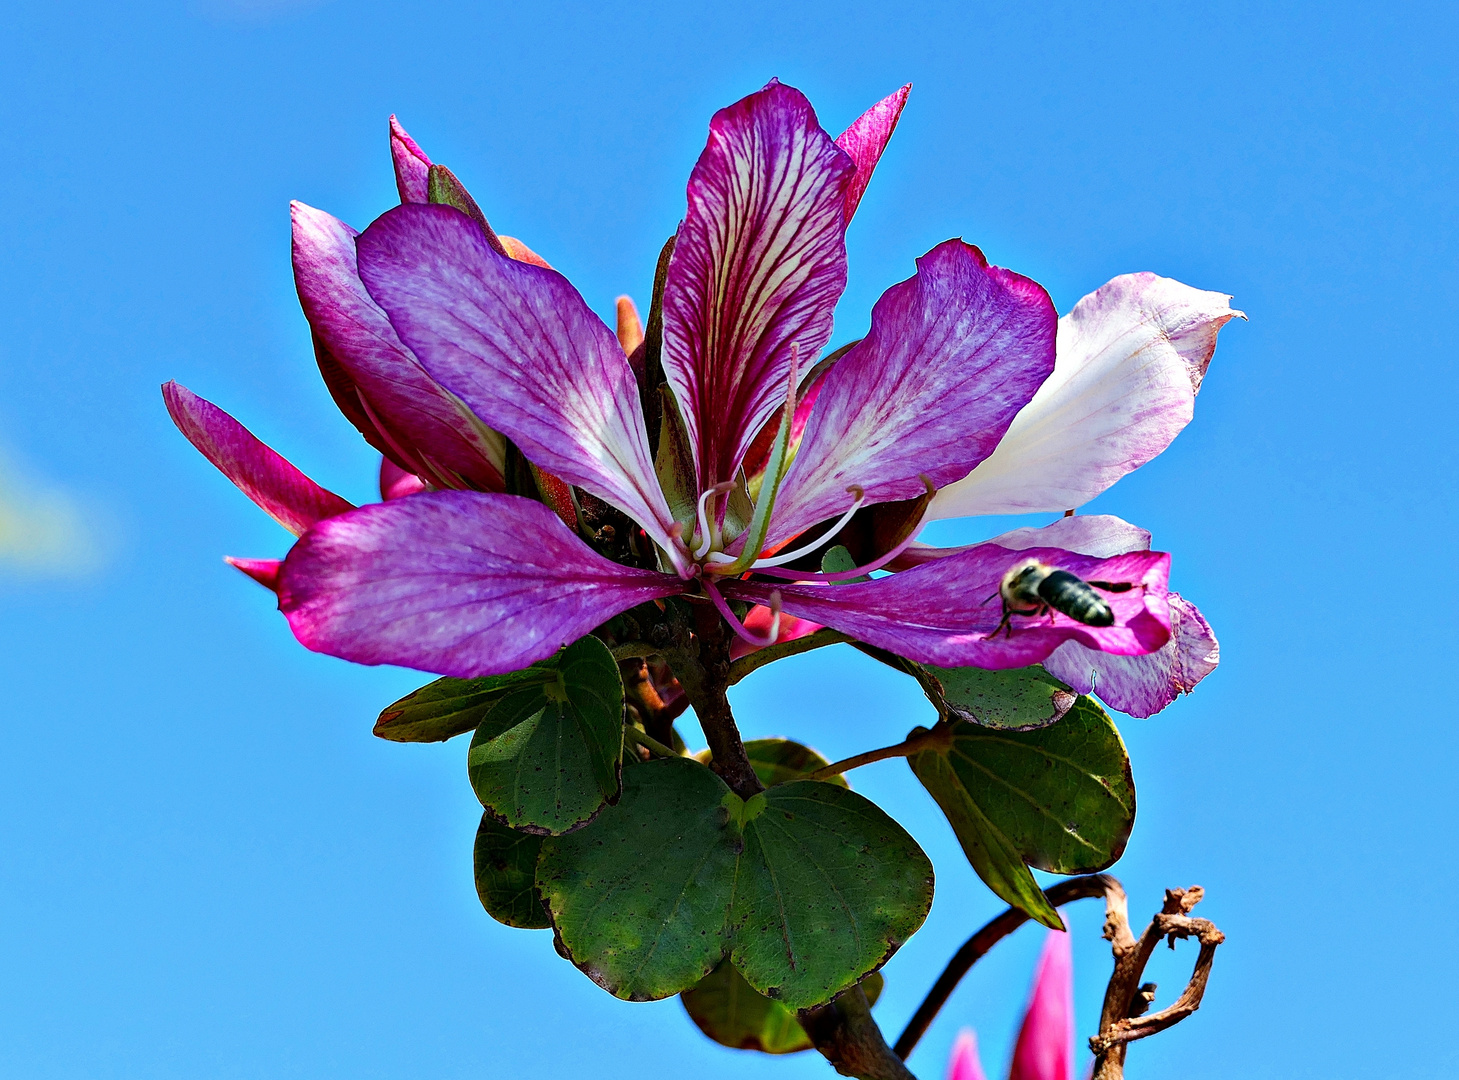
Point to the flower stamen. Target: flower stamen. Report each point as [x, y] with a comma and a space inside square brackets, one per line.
[859, 496]
[708, 523]
[770, 567]
[743, 632]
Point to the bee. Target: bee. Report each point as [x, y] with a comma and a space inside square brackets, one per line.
[1035, 588]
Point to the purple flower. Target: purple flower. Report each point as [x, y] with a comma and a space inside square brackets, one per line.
[1045, 1046]
[447, 346]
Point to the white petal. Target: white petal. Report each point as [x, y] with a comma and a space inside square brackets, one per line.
[1130, 359]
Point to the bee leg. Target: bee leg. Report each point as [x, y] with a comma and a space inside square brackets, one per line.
[1002, 623]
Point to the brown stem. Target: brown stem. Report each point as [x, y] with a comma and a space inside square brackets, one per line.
[850, 1040]
[977, 946]
[907, 747]
[1125, 998]
[705, 682]
[1120, 1023]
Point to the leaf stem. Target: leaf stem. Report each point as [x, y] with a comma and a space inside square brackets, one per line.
[632, 650]
[781, 649]
[912, 744]
[977, 946]
[648, 742]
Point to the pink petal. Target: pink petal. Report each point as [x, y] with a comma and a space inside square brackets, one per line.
[396, 483]
[412, 167]
[377, 382]
[944, 612]
[1088, 534]
[952, 355]
[263, 571]
[519, 346]
[963, 1064]
[758, 621]
[1045, 1046]
[1137, 685]
[1131, 357]
[455, 582]
[758, 267]
[280, 490]
[865, 140]
[1141, 686]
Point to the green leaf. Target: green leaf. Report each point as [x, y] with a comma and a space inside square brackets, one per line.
[776, 761]
[1060, 798]
[546, 757]
[640, 898]
[506, 874]
[829, 887]
[734, 1014]
[447, 707]
[1018, 699]
[808, 885]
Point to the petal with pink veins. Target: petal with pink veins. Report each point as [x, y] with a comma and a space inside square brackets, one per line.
[412, 167]
[454, 582]
[1089, 534]
[865, 140]
[279, 489]
[520, 347]
[1131, 356]
[1137, 685]
[953, 354]
[1141, 686]
[1044, 1050]
[963, 1064]
[377, 381]
[758, 266]
[944, 612]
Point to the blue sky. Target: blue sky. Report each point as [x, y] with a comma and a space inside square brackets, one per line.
[209, 868]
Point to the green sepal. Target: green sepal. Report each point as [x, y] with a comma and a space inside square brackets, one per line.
[447, 707]
[733, 1013]
[1059, 798]
[505, 865]
[674, 462]
[547, 756]
[807, 885]
[442, 188]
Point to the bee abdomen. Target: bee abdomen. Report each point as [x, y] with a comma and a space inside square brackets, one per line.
[1065, 592]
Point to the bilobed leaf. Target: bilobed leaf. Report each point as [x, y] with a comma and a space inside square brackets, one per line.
[777, 761]
[545, 758]
[640, 898]
[1060, 798]
[1017, 699]
[505, 862]
[808, 885]
[447, 707]
[829, 887]
[734, 1014]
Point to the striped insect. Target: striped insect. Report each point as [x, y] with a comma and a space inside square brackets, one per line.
[1035, 588]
